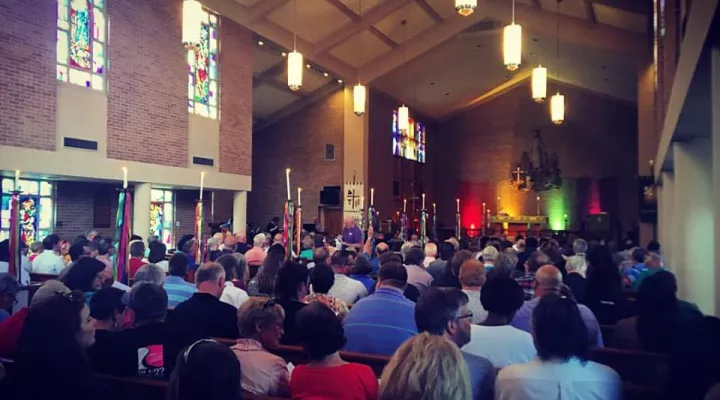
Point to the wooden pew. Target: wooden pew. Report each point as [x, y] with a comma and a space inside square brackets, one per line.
[607, 332]
[41, 278]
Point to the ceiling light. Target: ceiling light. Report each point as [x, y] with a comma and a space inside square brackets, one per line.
[295, 71]
[340, 81]
[512, 43]
[403, 118]
[539, 83]
[191, 23]
[557, 108]
[284, 54]
[465, 7]
[261, 43]
[359, 99]
[325, 74]
[307, 66]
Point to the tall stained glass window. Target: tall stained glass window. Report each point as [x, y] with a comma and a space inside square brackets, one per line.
[81, 42]
[202, 70]
[162, 215]
[37, 211]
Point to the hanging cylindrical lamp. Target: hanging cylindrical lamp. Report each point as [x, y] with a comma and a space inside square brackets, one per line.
[294, 70]
[191, 23]
[557, 108]
[403, 118]
[359, 98]
[465, 7]
[512, 46]
[539, 83]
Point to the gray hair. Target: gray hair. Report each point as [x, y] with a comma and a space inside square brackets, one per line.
[259, 240]
[580, 246]
[405, 249]
[576, 264]
[242, 270]
[431, 250]
[489, 253]
[9, 285]
[655, 257]
[209, 272]
[150, 273]
[504, 265]
[48, 290]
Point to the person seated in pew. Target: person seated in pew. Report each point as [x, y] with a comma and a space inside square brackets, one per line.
[604, 293]
[146, 347]
[661, 317]
[562, 369]
[149, 273]
[345, 288]
[260, 321]
[495, 339]
[445, 312]
[361, 270]
[449, 278]
[9, 289]
[12, 327]
[106, 308]
[327, 376]
[206, 370]
[322, 279]
[204, 315]
[427, 367]
[86, 275]
[50, 360]
[472, 278]
[548, 280]
[381, 322]
[231, 294]
[177, 288]
[137, 257]
[291, 285]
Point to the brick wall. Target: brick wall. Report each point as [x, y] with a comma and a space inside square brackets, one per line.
[185, 201]
[236, 88]
[597, 140]
[74, 208]
[147, 83]
[297, 142]
[27, 74]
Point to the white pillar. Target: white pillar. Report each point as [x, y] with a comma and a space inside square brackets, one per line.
[715, 134]
[666, 217]
[694, 206]
[240, 212]
[141, 210]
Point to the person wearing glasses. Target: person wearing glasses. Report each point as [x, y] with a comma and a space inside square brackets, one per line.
[260, 322]
[206, 370]
[52, 347]
[445, 312]
[562, 369]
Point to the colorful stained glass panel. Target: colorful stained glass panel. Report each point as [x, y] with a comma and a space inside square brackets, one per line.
[80, 53]
[80, 42]
[202, 68]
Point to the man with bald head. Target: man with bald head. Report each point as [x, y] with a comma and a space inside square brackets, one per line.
[548, 279]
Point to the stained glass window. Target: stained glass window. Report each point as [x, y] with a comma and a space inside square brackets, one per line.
[202, 70]
[162, 215]
[37, 211]
[81, 41]
[409, 144]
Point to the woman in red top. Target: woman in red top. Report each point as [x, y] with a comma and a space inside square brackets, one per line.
[327, 376]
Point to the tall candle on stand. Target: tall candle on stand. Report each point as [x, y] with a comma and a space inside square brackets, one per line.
[404, 205]
[202, 184]
[299, 191]
[434, 209]
[423, 201]
[458, 205]
[538, 205]
[372, 196]
[287, 181]
[125, 173]
[17, 180]
[362, 203]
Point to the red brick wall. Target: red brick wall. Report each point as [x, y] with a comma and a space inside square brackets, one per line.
[74, 208]
[147, 83]
[236, 59]
[297, 142]
[27, 73]
[597, 140]
[185, 201]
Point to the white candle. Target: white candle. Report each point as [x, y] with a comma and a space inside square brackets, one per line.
[404, 205]
[287, 181]
[458, 205]
[362, 203]
[125, 173]
[538, 205]
[17, 180]
[423, 196]
[202, 184]
[299, 191]
[434, 209]
[372, 196]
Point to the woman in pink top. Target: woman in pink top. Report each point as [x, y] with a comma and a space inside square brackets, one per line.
[260, 322]
[327, 376]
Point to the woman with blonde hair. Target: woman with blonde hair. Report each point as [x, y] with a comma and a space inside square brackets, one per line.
[426, 367]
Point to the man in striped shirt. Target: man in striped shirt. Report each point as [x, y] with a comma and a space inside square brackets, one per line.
[177, 289]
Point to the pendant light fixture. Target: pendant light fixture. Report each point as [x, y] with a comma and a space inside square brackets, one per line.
[512, 43]
[191, 23]
[403, 111]
[295, 61]
[465, 7]
[539, 83]
[557, 102]
[359, 91]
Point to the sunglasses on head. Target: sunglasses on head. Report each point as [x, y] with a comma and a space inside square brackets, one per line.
[189, 349]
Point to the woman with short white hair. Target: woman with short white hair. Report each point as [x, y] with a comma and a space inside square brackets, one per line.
[576, 268]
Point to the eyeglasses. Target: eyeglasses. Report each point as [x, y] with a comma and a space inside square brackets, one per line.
[189, 349]
[468, 315]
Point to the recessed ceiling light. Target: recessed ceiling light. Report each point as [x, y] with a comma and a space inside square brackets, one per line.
[261, 43]
[340, 81]
[325, 74]
[307, 65]
[284, 54]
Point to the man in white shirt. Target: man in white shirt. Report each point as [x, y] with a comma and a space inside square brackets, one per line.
[345, 288]
[49, 262]
[562, 369]
[472, 278]
[495, 339]
[417, 275]
[231, 294]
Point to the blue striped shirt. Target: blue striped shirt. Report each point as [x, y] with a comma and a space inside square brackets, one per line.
[178, 290]
[380, 323]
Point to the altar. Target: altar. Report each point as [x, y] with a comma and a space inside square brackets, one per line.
[513, 225]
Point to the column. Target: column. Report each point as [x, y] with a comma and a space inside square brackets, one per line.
[240, 213]
[355, 145]
[666, 217]
[647, 135]
[715, 134]
[141, 210]
[694, 224]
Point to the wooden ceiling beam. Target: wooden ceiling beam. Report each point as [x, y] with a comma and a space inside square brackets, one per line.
[635, 6]
[353, 28]
[281, 86]
[430, 11]
[263, 8]
[356, 19]
[292, 108]
[269, 73]
[590, 11]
